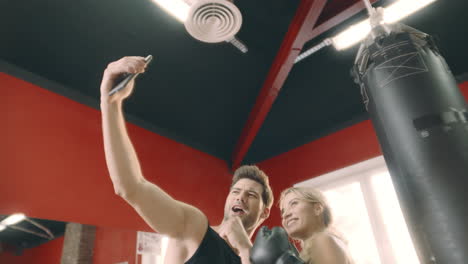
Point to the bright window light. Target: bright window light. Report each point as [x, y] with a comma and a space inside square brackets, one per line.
[351, 217]
[165, 244]
[2, 227]
[394, 221]
[366, 212]
[177, 8]
[152, 247]
[13, 219]
[392, 14]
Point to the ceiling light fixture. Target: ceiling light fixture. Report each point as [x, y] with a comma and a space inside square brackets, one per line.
[391, 14]
[402, 9]
[13, 219]
[359, 31]
[178, 8]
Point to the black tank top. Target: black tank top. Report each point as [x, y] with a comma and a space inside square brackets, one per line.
[214, 250]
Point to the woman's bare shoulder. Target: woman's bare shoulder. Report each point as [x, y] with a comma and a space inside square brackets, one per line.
[324, 247]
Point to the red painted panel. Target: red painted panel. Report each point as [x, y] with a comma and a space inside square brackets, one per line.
[334, 15]
[464, 89]
[52, 162]
[334, 7]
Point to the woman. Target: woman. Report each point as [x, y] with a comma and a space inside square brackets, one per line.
[306, 217]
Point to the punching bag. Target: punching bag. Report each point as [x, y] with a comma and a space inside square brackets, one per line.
[420, 118]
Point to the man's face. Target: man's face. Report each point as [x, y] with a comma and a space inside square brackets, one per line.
[245, 201]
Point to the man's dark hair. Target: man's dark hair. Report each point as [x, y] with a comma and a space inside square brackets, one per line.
[252, 172]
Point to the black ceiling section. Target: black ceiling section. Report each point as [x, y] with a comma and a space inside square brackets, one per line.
[320, 97]
[462, 77]
[306, 110]
[20, 240]
[196, 93]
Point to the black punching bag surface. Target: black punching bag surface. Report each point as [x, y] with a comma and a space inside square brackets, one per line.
[420, 117]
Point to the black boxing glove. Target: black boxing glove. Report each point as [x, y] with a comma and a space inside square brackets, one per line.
[273, 247]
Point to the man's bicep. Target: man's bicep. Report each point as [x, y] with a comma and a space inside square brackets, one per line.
[182, 248]
[195, 226]
[160, 211]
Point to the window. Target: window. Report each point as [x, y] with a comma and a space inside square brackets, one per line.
[367, 213]
[151, 247]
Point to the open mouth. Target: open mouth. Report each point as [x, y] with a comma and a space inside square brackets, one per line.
[238, 209]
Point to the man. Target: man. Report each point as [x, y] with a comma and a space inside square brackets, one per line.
[192, 240]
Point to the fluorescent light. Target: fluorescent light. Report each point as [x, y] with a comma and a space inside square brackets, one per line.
[177, 8]
[352, 35]
[392, 13]
[2, 227]
[402, 9]
[13, 219]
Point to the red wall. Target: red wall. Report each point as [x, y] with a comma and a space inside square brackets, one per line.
[47, 253]
[341, 149]
[53, 167]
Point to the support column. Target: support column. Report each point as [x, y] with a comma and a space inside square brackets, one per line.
[78, 244]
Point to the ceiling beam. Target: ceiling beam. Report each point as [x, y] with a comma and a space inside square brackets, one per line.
[337, 19]
[304, 20]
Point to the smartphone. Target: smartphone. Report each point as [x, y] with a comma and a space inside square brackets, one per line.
[127, 77]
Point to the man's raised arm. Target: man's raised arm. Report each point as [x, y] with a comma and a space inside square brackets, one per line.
[163, 213]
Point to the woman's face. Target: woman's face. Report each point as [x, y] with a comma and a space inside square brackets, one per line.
[299, 217]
